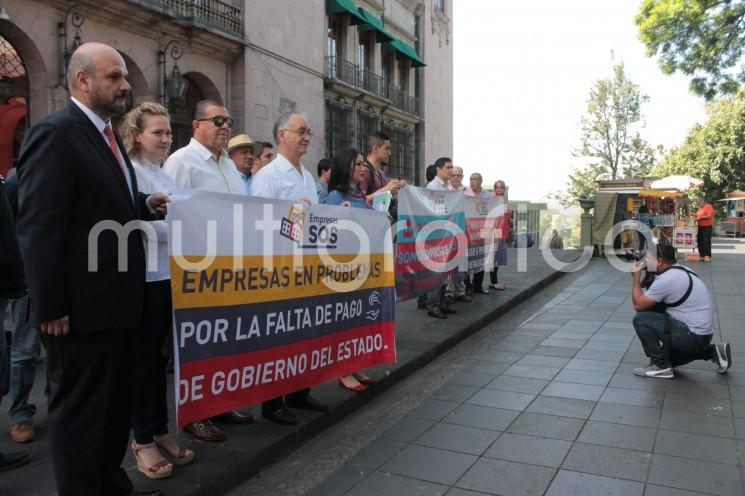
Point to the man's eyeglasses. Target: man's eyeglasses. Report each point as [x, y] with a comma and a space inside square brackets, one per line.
[456, 175]
[302, 132]
[219, 120]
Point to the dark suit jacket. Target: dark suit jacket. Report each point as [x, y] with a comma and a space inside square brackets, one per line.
[69, 181]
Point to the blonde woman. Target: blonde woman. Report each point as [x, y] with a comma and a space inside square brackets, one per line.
[146, 132]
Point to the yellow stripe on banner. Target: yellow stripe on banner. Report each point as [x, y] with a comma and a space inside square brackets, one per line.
[219, 284]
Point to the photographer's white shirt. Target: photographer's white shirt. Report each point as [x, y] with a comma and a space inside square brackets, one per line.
[696, 312]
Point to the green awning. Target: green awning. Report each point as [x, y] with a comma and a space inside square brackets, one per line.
[344, 7]
[373, 23]
[407, 51]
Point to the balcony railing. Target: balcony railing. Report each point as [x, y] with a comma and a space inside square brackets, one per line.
[213, 13]
[403, 101]
[338, 69]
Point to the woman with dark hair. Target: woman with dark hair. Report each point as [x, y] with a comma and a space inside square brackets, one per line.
[347, 172]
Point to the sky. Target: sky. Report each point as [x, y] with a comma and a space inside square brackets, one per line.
[522, 75]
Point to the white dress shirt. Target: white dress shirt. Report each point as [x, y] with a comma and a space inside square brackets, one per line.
[280, 180]
[101, 125]
[194, 167]
[437, 184]
[151, 179]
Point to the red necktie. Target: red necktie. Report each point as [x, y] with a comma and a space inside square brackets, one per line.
[114, 147]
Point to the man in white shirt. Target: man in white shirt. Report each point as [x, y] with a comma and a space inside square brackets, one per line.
[285, 178]
[456, 179]
[203, 164]
[443, 172]
[675, 319]
[444, 169]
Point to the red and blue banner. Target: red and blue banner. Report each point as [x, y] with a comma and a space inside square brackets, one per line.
[431, 245]
[271, 297]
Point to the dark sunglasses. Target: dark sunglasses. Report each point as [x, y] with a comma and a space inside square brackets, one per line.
[219, 120]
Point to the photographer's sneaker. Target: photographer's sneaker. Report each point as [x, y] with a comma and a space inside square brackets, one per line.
[653, 370]
[723, 357]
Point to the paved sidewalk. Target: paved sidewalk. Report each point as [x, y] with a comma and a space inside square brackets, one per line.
[221, 466]
[553, 408]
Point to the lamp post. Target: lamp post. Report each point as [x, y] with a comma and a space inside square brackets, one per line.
[75, 15]
[173, 87]
[586, 226]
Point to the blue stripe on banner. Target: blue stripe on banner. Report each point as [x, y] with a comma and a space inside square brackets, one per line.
[220, 331]
[458, 218]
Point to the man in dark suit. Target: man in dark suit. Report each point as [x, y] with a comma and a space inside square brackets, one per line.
[74, 174]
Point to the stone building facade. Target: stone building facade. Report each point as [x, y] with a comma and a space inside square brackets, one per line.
[353, 66]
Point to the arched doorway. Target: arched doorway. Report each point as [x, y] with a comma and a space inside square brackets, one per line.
[182, 110]
[139, 91]
[14, 96]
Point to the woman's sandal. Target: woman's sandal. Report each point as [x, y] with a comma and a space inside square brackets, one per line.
[363, 379]
[160, 470]
[498, 287]
[183, 456]
[357, 388]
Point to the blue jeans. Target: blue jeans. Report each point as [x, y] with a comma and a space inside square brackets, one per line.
[24, 351]
[685, 346]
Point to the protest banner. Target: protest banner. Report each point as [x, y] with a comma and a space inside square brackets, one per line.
[484, 224]
[431, 246]
[272, 296]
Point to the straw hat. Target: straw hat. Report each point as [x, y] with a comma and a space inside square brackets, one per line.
[242, 140]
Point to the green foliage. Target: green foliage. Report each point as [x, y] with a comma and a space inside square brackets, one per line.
[714, 151]
[703, 39]
[611, 136]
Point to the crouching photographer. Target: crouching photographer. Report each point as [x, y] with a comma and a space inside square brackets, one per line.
[675, 318]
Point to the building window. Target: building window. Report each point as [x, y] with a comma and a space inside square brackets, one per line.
[334, 37]
[440, 6]
[339, 128]
[401, 165]
[403, 76]
[367, 124]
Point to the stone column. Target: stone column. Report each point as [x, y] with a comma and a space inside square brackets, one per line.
[586, 225]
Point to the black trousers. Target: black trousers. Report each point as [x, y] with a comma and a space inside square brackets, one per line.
[478, 280]
[91, 380]
[494, 275]
[150, 412]
[703, 238]
[278, 402]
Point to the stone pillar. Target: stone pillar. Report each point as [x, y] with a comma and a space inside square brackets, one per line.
[586, 226]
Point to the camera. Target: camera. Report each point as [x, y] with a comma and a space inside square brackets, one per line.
[634, 255]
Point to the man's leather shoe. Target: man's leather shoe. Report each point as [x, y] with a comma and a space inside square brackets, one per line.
[448, 310]
[436, 313]
[205, 430]
[135, 492]
[235, 417]
[281, 416]
[307, 403]
[22, 432]
[12, 460]
[464, 299]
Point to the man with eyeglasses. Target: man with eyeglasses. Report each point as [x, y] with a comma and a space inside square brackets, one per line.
[203, 164]
[456, 179]
[285, 178]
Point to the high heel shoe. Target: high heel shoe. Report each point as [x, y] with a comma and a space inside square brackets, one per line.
[183, 456]
[160, 470]
[363, 379]
[357, 389]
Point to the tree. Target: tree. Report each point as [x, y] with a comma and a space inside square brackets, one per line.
[703, 39]
[610, 136]
[714, 151]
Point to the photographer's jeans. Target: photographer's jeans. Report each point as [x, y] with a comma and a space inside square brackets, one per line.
[685, 345]
[24, 351]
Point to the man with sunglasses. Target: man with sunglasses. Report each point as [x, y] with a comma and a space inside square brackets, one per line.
[204, 164]
[285, 178]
